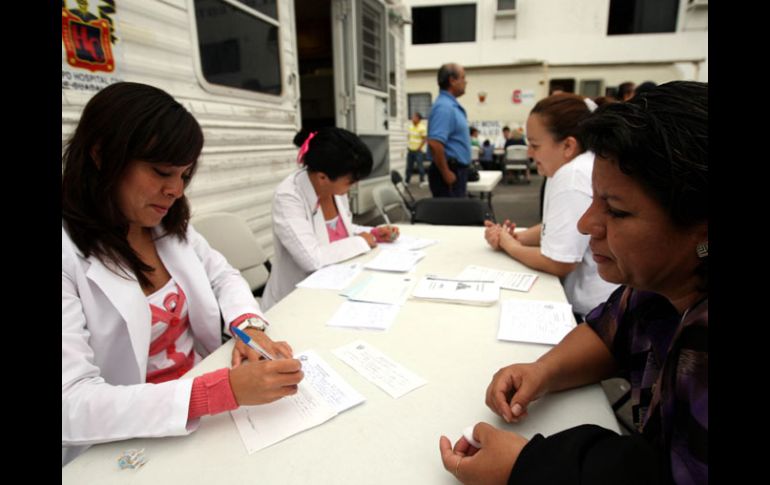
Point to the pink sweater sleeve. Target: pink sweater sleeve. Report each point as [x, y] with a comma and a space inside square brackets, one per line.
[211, 394]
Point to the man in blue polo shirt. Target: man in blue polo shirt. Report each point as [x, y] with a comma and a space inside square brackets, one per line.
[448, 136]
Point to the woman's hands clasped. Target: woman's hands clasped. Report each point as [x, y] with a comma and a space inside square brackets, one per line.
[497, 234]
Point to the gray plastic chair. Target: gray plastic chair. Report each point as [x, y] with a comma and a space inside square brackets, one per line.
[386, 198]
[516, 161]
[230, 235]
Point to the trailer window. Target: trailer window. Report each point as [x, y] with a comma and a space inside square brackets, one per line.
[371, 40]
[238, 44]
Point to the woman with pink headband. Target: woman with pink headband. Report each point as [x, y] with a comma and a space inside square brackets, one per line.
[312, 222]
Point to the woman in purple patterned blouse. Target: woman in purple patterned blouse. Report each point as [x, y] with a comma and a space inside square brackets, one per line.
[648, 224]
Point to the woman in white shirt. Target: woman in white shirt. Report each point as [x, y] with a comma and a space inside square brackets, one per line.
[556, 246]
[312, 222]
[141, 290]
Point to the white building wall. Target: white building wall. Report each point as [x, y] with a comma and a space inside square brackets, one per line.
[552, 39]
[558, 32]
[500, 82]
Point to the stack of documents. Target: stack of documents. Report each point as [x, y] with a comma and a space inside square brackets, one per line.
[373, 302]
[540, 322]
[411, 243]
[506, 279]
[395, 260]
[321, 395]
[392, 289]
[362, 315]
[453, 290]
[332, 277]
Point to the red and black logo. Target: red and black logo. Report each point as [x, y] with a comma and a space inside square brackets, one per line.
[87, 38]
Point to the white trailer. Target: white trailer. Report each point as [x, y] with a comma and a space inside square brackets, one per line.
[253, 72]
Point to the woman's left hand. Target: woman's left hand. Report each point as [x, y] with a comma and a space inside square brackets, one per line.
[491, 464]
[241, 351]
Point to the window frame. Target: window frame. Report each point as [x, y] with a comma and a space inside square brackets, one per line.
[383, 28]
[513, 9]
[582, 83]
[476, 21]
[410, 111]
[392, 88]
[636, 20]
[222, 89]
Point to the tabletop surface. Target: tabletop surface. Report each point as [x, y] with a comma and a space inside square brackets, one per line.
[384, 440]
[488, 180]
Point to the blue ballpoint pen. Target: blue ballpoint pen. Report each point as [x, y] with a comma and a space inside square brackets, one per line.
[251, 343]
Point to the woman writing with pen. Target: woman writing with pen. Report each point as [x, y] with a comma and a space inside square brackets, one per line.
[142, 291]
[312, 225]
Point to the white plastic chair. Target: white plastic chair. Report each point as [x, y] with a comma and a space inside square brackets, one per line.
[516, 161]
[230, 235]
[475, 153]
[386, 198]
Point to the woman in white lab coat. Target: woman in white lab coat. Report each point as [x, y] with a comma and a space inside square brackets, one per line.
[312, 222]
[141, 290]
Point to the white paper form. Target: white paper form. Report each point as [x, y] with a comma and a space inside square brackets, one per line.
[394, 260]
[379, 369]
[391, 289]
[453, 290]
[328, 383]
[332, 277]
[506, 279]
[362, 315]
[267, 424]
[542, 322]
[411, 243]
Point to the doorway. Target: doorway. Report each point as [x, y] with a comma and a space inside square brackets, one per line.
[315, 57]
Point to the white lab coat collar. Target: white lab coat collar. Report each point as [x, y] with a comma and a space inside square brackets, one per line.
[194, 280]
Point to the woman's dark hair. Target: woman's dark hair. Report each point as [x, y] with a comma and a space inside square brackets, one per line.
[660, 139]
[625, 89]
[645, 86]
[300, 137]
[561, 114]
[338, 152]
[123, 123]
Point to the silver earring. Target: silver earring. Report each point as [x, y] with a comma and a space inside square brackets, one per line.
[702, 249]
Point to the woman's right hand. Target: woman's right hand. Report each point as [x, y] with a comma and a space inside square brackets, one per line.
[510, 228]
[369, 238]
[264, 381]
[514, 387]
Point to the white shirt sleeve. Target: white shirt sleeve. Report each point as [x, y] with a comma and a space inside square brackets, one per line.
[560, 239]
